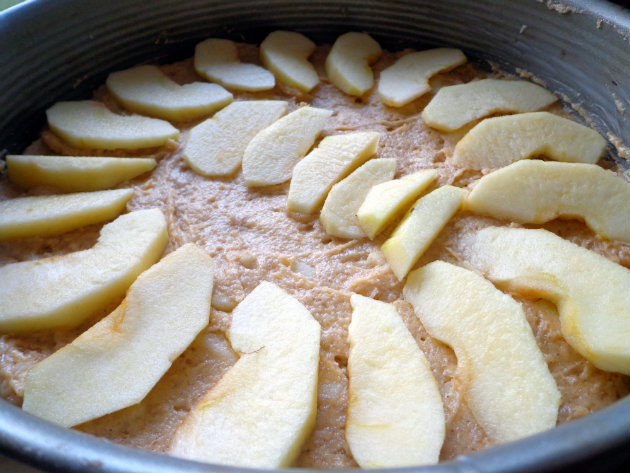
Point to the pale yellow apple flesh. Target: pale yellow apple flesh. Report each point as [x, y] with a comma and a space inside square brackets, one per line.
[147, 90]
[420, 227]
[259, 414]
[63, 291]
[592, 293]
[339, 213]
[286, 53]
[408, 78]
[216, 146]
[90, 124]
[506, 382]
[116, 362]
[55, 214]
[331, 161]
[217, 60]
[538, 191]
[348, 63]
[388, 200]
[74, 173]
[499, 141]
[457, 105]
[271, 155]
[395, 412]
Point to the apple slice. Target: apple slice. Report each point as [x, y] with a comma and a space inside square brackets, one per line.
[339, 213]
[74, 174]
[217, 60]
[420, 227]
[499, 141]
[63, 291]
[590, 291]
[286, 53]
[538, 191]
[395, 412]
[270, 156]
[456, 105]
[272, 388]
[147, 90]
[54, 214]
[386, 201]
[408, 78]
[107, 368]
[348, 63]
[505, 379]
[332, 160]
[215, 147]
[90, 124]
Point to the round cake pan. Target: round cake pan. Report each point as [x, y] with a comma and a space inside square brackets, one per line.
[63, 49]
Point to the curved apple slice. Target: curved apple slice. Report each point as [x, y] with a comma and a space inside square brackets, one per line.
[408, 78]
[217, 60]
[271, 388]
[55, 214]
[147, 90]
[348, 63]
[107, 368]
[74, 173]
[339, 213]
[395, 412]
[332, 160]
[63, 291]
[216, 146]
[270, 156]
[499, 141]
[591, 292]
[386, 201]
[90, 124]
[539, 191]
[456, 105]
[506, 381]
[286, 53]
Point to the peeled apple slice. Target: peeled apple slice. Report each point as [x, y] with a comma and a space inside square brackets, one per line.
[499, 141]
[63, 291]
[348, 63]
[408, 78]
[147, 90]
[116, 362]
[286, 53]
[90, 124]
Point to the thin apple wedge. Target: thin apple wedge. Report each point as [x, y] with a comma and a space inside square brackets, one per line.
[271, 155]
[505, 379]
[339, 213]
[90, 124]
[591, 292]
[147, 90]
[348, 63]
[456, 105]
[395, 412]
[217, 60]
[107, 368]
[63, 291]
[538, 191]
[286, 53]
[386, 201]
[420, 227]
[55, 214]
[216, 146]
[499, 141]
[332, 160]
[74, 173]
[408, 78]
[272, 388]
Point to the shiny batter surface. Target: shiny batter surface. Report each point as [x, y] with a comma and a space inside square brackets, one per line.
[252, 238]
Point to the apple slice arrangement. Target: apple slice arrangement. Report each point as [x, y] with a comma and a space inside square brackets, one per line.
[395, 409]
